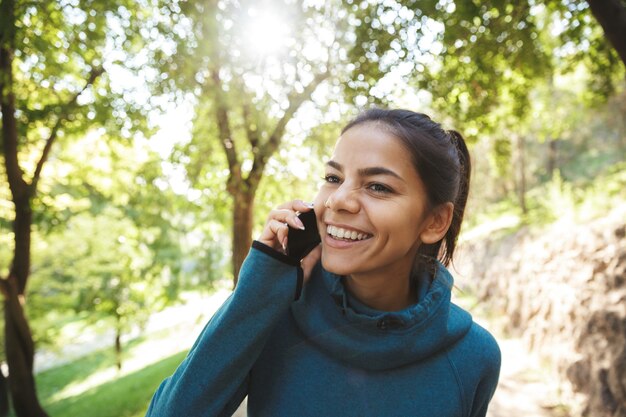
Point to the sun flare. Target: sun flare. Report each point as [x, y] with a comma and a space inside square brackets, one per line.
[266, 33]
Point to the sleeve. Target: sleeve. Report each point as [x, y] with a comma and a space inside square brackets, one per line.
[488, 383]
[212, 380]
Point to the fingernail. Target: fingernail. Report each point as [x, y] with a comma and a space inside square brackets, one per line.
[284, 244]
[309, 205]
[299, 223]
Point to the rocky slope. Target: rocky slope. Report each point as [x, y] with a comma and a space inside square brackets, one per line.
[563, 291]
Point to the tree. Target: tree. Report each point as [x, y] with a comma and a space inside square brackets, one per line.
[99, 266]
[53, 86]
[115, 255]
[244, 98]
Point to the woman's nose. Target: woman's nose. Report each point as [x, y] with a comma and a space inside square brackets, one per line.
[344, 199]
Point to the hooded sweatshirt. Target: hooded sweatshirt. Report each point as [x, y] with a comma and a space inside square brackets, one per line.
[317, 351]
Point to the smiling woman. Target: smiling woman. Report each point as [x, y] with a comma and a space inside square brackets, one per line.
[362, 325]
[372, 189]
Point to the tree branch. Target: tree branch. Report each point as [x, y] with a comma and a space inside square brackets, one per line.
[223, 125]
[221, 105]
[611, 14]
[251, 134]
[93, 75]
[268, 148]
[15, 175]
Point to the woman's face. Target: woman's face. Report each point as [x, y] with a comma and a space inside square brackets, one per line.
[372, 208]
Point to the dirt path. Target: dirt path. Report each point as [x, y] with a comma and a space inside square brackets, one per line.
[524, 389]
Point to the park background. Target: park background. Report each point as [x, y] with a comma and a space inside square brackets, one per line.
[145, 141]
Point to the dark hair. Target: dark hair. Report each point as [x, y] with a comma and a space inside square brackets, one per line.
[442, 162]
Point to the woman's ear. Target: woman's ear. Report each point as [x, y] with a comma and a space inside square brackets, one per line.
[437, 223]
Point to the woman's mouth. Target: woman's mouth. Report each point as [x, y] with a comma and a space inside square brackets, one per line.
[346, 235]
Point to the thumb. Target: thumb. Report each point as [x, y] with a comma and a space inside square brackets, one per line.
[309, 261]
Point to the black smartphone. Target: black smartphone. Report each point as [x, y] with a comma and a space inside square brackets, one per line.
[301, 242]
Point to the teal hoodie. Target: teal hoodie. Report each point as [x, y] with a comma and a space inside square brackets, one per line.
[317, 351]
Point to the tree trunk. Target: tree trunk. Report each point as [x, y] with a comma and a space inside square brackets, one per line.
[19, 345]
[521, 176]
[242, 229]
[20, 355]
[552, 157]
[21, 228]
[552, 141]
[4, 395]
[611, 14]
[118, 344]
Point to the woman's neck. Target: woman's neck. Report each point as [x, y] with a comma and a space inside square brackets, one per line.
[391, 291]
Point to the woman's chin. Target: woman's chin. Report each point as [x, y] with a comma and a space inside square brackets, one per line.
[336, 266]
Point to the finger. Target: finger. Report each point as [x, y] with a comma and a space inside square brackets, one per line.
[287, 216]
[297, 205]
[274, 234]
[281, 236]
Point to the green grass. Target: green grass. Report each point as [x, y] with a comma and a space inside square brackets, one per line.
[127, 396]
[91, 386]
[56, 379]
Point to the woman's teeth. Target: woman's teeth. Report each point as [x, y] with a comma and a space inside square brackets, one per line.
[339, 233]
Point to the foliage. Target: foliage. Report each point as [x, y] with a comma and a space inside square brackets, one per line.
[249, 68]
[583, 200]
[52, 59]
[100, 265]
[480, 65]
[57, 45]
[474, 57]
[110, 244]
[583, 40]
[107, 229]
[484, 65]
[565, 135]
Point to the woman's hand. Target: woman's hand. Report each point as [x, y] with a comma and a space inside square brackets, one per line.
[276, 228]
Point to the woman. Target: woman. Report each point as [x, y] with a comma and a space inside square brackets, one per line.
[371, 331]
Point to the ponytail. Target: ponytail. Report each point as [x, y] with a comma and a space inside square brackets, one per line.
[465, 169]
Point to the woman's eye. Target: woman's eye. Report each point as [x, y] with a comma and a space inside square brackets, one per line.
[380, 188]
[331, 178]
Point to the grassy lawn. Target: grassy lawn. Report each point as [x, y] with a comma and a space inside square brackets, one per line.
[125, 396]
[91, 385]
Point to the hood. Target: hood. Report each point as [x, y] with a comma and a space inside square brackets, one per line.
[351, 332]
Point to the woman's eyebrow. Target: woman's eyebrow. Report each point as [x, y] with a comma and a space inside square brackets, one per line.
[366, 172]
